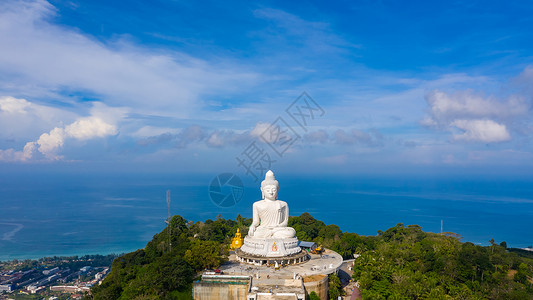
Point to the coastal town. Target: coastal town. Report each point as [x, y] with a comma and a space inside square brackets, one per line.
[53, 278]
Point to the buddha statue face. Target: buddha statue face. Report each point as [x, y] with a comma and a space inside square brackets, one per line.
[270, 186]
[270, 192]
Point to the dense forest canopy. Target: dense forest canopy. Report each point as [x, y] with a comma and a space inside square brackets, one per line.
[403, 262]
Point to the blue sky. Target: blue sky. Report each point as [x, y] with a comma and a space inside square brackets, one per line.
[185, 86]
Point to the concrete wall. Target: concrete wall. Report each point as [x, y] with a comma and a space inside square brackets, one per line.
[319, 286]
[222, 291]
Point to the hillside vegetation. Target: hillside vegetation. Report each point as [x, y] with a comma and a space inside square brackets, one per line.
[166, 267]
[403, 262]
[407, 263]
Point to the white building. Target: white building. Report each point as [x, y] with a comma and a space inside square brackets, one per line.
[7, 288]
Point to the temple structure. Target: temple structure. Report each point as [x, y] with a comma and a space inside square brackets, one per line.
[269, 239]
[280, 269]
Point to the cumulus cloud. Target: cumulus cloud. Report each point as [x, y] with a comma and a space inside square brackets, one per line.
[11, 155]
[100, 124]
[480, 119]
[91, 127]
[259, 129]
[50, 142]
[23, 120]
[486, 131]
[445, 107]
[216, 140]
[83, 129]
[13, 105]
[221, 138]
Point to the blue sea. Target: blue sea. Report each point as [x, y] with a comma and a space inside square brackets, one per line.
[72, 213]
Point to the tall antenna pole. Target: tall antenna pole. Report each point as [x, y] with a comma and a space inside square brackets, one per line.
[169, 228]
[441, 226]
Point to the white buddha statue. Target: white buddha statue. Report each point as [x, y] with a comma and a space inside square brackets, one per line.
[270, 216]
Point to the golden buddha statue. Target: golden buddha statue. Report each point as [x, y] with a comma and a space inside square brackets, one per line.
[237, 241]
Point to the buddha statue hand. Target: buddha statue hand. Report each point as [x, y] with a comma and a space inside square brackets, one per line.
[251, 230]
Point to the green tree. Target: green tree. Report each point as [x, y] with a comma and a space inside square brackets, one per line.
[521, 274]
[313, 296]
[335, 287]
[204, 254]
[348, 244]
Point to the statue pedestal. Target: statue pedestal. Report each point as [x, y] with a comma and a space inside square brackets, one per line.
[271, 251]
[271, 247]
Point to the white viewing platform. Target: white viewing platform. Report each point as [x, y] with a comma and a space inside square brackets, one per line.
[243, 281]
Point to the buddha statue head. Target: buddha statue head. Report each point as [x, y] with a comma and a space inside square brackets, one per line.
[269, 186]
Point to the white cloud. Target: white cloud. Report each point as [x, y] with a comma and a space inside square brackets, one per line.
[82, 129]
[100, 124]
[50, 142]
[446, 106]
[221, 138]
[486, 131]
[216, 140]
[480, 119]
[90, 127]
[24, 120]
[13, 105]
[11, 155]
[259, 129]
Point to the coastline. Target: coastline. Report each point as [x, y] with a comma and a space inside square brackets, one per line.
[4, 258]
